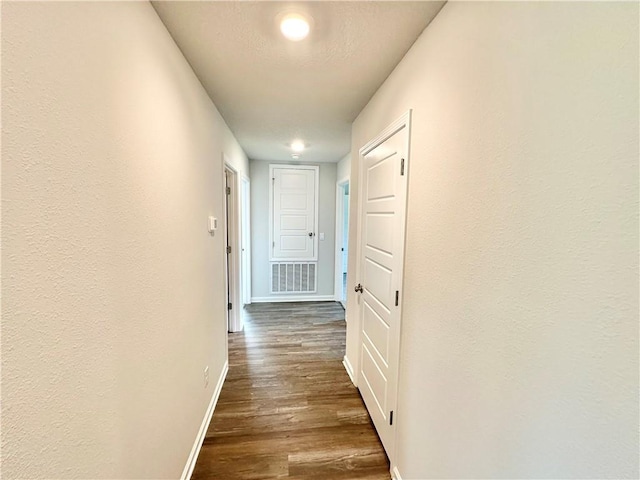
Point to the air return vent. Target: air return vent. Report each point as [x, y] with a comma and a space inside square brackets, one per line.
[293, 277]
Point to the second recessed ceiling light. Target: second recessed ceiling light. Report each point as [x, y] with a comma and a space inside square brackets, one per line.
[297, 146]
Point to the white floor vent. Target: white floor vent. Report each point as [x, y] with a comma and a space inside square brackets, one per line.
[293, 277]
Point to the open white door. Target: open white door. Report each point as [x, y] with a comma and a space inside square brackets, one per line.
[233, 247]
[382, 213]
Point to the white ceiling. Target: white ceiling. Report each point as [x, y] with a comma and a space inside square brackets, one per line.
[271, 90]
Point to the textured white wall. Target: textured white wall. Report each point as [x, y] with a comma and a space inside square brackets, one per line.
[260, 229]
[520, 329]
[113, 289]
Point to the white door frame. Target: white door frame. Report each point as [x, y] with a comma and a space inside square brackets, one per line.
[245, 239]
[403, 121]
[337, 291]
[233, 231]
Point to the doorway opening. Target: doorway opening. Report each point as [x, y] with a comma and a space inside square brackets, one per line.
[342, 240]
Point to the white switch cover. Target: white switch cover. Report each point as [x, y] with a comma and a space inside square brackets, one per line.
[213, 224]
[321, 236]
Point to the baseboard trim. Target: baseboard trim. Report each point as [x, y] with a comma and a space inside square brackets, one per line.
[395, 474]
[290, 298]
[349, 369]
[195, 450]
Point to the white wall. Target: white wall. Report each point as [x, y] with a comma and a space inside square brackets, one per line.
[343, 167]
[520, 329]
[113, 288]
[260, 269]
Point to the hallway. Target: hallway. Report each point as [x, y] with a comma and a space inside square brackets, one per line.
[287, 408]
[165, 163]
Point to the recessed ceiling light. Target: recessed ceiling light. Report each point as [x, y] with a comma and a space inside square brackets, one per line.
[295, 27]
[295, 156]
[297, 146]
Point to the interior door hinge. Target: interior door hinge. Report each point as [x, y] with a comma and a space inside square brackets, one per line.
[397, 297]
[228, 190]
[402, 166]
[391, 418]
[229, 250]
[229, 306]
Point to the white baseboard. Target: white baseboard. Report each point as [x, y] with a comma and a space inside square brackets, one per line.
[195, 450]
[395, 474]
[293, 298]
[349, 369]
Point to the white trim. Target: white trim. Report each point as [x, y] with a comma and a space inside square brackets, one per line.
[316, 169]
[395, 474]
[403, 121]
[349, 369]
[337, 281]
[289, 298]
[197, 445]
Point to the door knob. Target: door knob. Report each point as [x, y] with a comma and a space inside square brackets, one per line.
[311, 234]
[358, 288]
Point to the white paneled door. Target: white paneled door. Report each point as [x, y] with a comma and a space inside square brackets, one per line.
[382, 209]
[294, 212]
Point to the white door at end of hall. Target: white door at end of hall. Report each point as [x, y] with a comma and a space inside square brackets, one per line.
[294, 213]
[382, 211]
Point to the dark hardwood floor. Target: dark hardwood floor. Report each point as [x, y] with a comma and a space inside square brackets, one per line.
[288, 408]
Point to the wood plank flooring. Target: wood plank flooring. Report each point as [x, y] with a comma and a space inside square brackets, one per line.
[288, 408]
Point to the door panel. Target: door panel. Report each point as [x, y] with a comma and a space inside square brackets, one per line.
[378, 282]
[377, 331]
[294, 222]
[382, 212]
[375, 380]
[293, 179]
[294, 201]
[293, 244]
[378, 185]
[380, 232]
